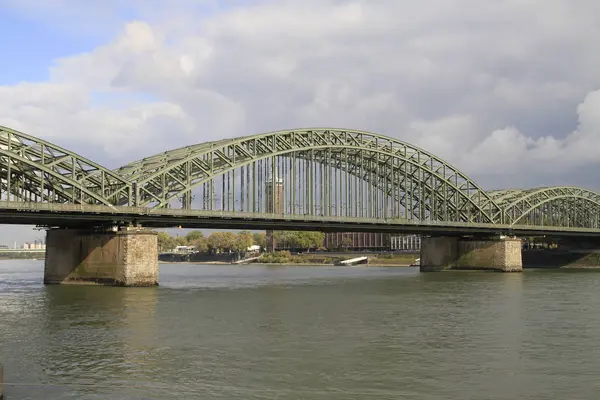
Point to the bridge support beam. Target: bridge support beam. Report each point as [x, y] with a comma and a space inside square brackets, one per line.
[446, 253]
[124, 257]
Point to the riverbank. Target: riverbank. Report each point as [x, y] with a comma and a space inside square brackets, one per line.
[313, 259]
[195, 262]
[556, 258]
[22, 254]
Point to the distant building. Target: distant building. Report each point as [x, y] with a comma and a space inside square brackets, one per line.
[357, 241]
[184, 249]
[367, 241]
[36, 245]
[406, 243]
[274, 196]
[274, 200]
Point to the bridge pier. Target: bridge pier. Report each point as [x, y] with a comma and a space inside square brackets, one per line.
[446, 253]
[123, 257]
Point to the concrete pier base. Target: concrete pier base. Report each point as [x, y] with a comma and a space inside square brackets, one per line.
[127, 257]
[438, 253]
[446, 253]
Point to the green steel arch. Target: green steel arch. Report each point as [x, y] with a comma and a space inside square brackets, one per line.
[138, 168]
[559, 206]
[320, 171]
[346, 174]
[34, 170]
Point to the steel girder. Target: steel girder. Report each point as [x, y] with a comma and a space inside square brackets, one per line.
[33, 169]
[403, 181]
[422, 184]
[561, 206]
[137, 169]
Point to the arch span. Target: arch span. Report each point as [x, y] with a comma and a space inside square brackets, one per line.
[562, 206]
[320, 171]
[32, 169]
[340, 173]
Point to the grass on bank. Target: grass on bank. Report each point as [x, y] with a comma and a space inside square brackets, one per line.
[285, 257]
[395, 259]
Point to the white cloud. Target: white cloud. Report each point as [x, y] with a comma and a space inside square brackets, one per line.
[65, 114]
[508, 151]
[492, 86]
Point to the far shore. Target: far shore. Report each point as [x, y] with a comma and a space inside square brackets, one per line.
[287, 264]
[315, 264]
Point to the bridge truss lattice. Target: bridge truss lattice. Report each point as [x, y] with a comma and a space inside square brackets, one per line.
[341, 174]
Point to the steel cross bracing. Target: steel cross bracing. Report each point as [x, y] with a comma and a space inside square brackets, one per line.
[35, 170]
[329, 175]
[550, 206]
[388, 178]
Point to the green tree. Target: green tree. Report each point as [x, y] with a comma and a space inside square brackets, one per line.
[181, 241]
[260, 239]
[244, 240]
[165, 242]
[194, 235]
[313, 240]
[222, 241]
[346, 242]
[281, 237]
[200, 244]
[303, 240]
[300, 239]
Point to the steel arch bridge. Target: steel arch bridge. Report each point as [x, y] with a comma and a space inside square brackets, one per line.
[334, 175]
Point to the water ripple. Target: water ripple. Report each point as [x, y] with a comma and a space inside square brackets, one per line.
[256, 332]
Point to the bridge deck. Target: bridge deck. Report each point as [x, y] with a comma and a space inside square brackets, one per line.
[82, 215]
[325, 179]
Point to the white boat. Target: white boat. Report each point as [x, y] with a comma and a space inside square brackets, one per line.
[354, 261]
[416, 263]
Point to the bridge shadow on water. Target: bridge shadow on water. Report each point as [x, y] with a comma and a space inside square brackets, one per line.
[293, 330]
[95, 334]
[78, 255]
[563, 259]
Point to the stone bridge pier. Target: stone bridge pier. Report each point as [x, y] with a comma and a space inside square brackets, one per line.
[126, 256]
[440, 253]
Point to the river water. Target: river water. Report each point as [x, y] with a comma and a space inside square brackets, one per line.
[257, 332]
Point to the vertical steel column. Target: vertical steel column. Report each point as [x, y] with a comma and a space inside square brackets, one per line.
[285, 194]
[223, 193]
[8, 168]
[347, 184]
[362, 186]
[323, 184]
[330, 187]
[445, 215]
[233, 200]
[311, 177]
[254, 183]
[355, 187]
[242, 188]
[248, 187]
[294, 182]
[380, 205]
[394, 190]
[370, 188]
[273, 184]
[43, 177]
[260, 186]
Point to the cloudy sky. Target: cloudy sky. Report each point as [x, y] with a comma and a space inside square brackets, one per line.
[508, 91]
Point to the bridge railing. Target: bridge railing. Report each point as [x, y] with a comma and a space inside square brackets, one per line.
[126, 213]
